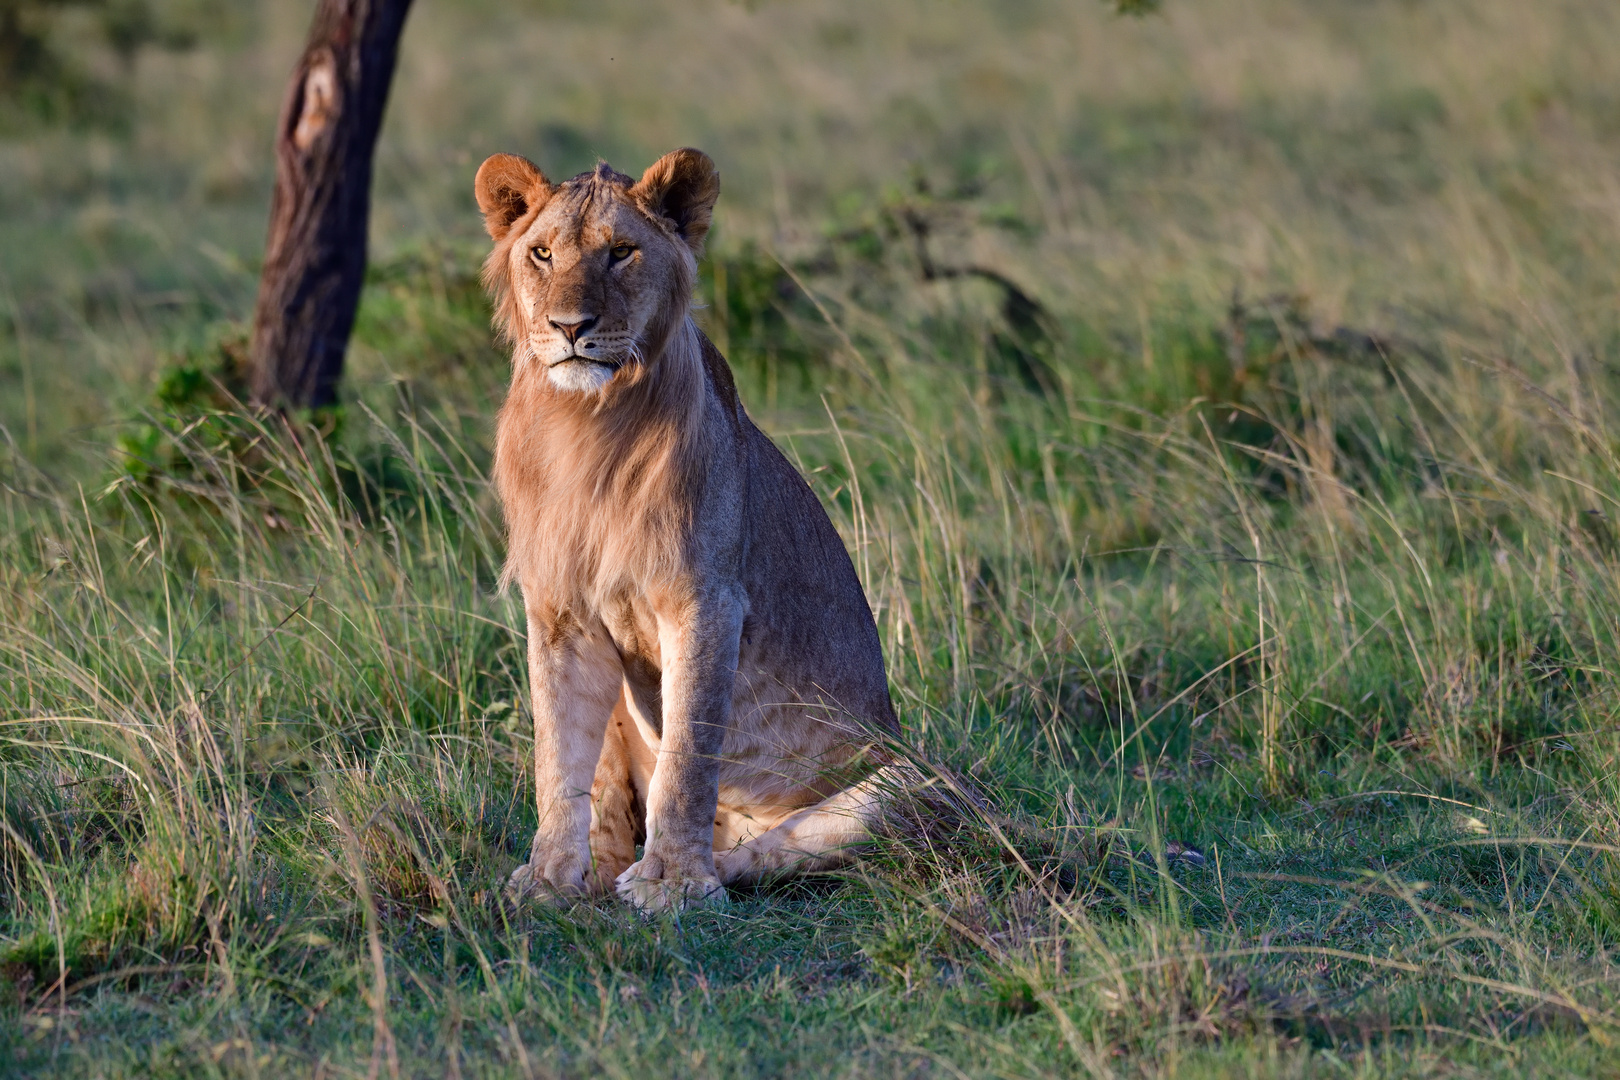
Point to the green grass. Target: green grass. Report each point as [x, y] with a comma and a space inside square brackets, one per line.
[1271, 518]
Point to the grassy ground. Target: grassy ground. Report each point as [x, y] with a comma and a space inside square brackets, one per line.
[1220, 408]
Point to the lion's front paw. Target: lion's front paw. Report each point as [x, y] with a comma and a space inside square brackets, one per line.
[654, 884]
[556, 879]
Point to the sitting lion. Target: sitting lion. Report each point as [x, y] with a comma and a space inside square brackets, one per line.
[706, 673]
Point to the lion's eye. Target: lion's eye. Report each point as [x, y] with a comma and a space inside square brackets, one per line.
[621, 252]
[542, 253]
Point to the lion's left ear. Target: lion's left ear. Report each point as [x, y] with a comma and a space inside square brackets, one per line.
[681, 187]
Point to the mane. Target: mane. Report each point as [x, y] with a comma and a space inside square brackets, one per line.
[598, 488]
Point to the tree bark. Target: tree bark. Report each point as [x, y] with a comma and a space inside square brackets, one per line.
[315, 257]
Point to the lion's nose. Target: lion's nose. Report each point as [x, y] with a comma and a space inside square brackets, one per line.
[573, 329]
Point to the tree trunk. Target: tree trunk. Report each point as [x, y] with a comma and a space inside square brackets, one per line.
[315, 258]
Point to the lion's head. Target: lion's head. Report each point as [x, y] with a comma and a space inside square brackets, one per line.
[593, 275]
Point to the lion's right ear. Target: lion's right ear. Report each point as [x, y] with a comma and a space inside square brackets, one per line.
[506, 187]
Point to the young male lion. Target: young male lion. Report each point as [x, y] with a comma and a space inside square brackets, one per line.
[706, 673]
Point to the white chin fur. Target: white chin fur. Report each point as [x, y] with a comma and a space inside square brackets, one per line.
[579, 376]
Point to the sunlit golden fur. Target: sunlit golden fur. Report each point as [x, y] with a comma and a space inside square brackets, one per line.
[706, 674]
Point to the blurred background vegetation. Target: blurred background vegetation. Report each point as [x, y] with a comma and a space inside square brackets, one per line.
[1219, 405]
[1379, 164]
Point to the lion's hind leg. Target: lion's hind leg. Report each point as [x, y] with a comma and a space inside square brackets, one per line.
[819, 837]
[618, 810]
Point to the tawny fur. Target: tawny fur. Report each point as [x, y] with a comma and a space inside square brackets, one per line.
[707, 678]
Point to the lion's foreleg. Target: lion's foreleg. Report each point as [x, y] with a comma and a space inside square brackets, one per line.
[576, 676]
[699, 656]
